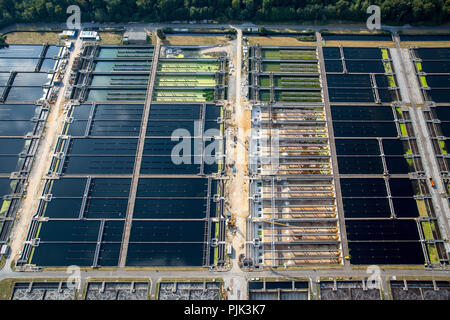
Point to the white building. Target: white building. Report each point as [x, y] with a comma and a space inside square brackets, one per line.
[89, 35]
[68, 34]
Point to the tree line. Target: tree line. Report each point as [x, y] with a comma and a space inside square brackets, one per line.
[323, 11]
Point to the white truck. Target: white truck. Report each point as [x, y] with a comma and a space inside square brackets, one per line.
[229, 250]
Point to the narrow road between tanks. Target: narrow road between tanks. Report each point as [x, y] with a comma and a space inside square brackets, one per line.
[238, 197]
[138, 160]
[41, 163]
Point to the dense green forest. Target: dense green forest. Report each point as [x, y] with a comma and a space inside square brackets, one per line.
[392, 11]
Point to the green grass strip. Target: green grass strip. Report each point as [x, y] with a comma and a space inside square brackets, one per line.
[443, 147]
[426, 228]
[5, 206]
[384, 53]
[410, 163]
[423, 81]
[387, 67]
[391, 81]
[432, 253]
[403, 130]
[419, 66]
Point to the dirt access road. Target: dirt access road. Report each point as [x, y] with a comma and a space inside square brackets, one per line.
[41, 163]
[238, 183]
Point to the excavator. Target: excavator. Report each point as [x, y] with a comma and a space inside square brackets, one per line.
[231, 220]
[433, 185]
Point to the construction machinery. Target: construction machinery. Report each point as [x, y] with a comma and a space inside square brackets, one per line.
[231, 220]
[433, 185]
